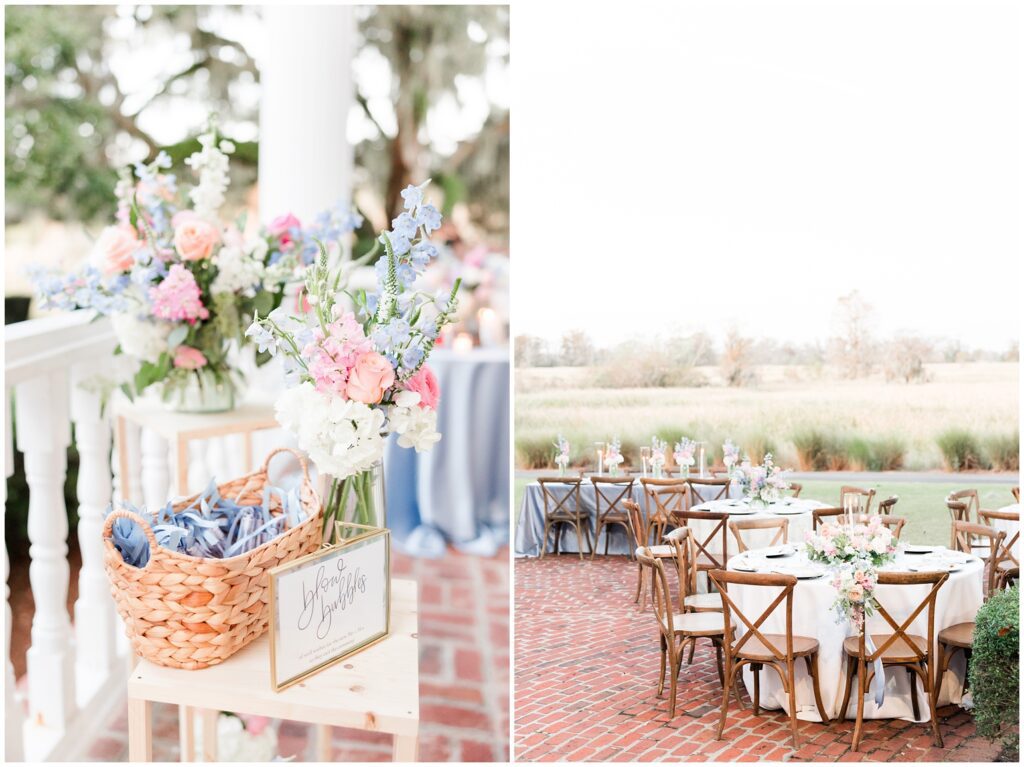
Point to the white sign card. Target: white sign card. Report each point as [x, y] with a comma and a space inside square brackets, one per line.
[328, 605]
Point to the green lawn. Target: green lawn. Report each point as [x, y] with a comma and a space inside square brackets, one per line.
[921, 503]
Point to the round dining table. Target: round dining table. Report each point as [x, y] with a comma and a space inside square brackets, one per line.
[798, 512]
[814, 616]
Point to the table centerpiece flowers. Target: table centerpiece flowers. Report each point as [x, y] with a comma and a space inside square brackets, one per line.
[730, 455]
[177, 280]
[683, 454]
[356, 375]
[659, 449]
[613, 456]
[562, 455]
[761, 484]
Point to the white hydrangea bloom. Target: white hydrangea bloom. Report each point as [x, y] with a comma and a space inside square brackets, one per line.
[342, 437]
[236, 272]
[416, 426]
[143, 339]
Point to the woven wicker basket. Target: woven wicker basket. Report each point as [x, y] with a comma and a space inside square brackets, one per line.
[189, 612]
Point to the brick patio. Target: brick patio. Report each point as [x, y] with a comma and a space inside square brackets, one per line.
[587, 673]
[464, 675]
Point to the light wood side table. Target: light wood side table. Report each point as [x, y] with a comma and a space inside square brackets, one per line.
[178, 429]
[377, 689]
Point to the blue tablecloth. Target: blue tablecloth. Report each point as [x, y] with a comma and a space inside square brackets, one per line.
[459, 491]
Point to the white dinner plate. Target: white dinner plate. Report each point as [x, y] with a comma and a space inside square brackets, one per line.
[744, 567]
[739, 510]
[917, 549]
[802, 573]
[936, 567]
[778, 552]
[788, 510]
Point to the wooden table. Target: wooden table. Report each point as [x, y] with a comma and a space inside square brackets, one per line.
[181, 428]
[377, 689]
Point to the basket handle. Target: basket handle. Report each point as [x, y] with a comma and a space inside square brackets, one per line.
[126, 514]
[301, 458]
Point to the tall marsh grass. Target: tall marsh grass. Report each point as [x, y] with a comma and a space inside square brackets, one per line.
[865, 424]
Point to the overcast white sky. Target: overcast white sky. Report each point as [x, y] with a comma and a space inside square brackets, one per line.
[748, 163]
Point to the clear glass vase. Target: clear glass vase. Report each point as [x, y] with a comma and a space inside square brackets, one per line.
[204, 391]
[357, 499]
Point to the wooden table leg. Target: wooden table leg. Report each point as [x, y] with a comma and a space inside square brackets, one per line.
[182, 467]
[324, 749]
[140, 730]
[209, 717]
[187, 733]
[405, 748]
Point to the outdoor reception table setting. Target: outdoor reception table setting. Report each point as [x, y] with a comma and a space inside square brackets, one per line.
[798, 511]
[530, 528]
[814, 616]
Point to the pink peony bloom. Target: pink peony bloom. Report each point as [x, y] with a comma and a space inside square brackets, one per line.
[189, 358]
[254, 724]
[195, 238]
[332, 358]
[280, 227]
[424, 383]
[370, 378]
[178, 297]
[114, 251]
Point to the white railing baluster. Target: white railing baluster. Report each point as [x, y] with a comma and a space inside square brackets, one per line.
[14, 719]
[197, 465]
[43, 437]
[133, 448]
[94, 609]
[155, 473]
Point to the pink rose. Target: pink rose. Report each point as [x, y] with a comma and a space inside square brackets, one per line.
[189, 358]
[369, 379]
[115, 249]
[195, 238]
[281, 226]
[254, 724]
[424, 383]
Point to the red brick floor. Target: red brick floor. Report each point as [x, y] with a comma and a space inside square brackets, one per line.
[587, 672]
[464, 675]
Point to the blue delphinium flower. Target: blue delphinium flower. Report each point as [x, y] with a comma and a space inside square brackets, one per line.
[404, 225]
[263, 338]
[421, 254]
[429, 218]
[412, 196]
[412, 357]
[400, 244]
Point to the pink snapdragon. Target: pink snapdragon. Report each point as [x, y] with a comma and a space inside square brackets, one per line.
[424, 383]
[178, 297]
[332, 357]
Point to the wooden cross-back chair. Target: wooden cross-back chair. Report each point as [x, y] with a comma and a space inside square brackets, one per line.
[707, 484]
[959, 511]
[661, 498]
[737, 527]
[900, 648]
[970, 538]
[885, 507]
[1005, 556]
[639, 528]
[686, 561]
[751, 646]
[969, 497]
[863, 495]
[621, 489]
[564, 511]
[676, 630]
[708, 557]
[795, 488]
[821, 516]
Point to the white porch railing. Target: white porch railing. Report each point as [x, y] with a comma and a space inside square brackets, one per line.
[76, 672]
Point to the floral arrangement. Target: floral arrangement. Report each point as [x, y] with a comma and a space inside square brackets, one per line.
[855, 588]
[763, 483]
[855, 551]
[659, 448]
[844, 543]
[730, 454]
[684, 451]
[613, 455]
[562, 456]
[356, 375]
[176, 280]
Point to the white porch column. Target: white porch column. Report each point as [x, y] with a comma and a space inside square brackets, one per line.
[305, 76]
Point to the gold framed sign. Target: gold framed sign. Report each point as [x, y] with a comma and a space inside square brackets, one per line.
[330, 604]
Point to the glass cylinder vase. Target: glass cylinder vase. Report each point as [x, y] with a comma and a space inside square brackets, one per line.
[204, 391]
[358, 500]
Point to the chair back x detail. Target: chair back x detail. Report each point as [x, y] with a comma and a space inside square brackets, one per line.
[564, 510]
[708, 558]
[968, 538]
[618, 489]
[781, 527]
[707, 484]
